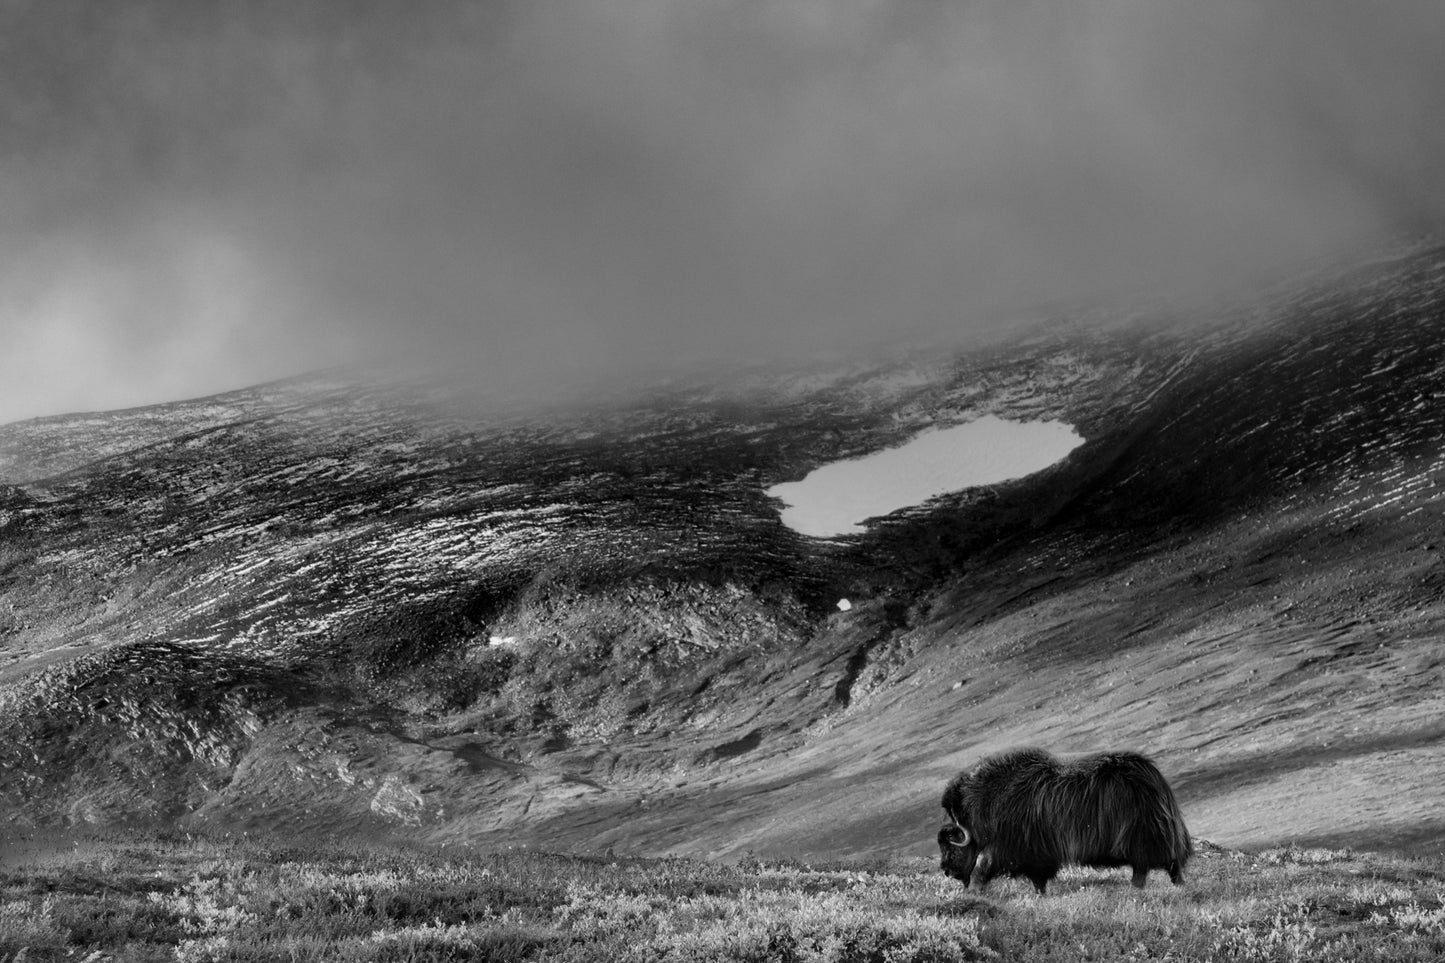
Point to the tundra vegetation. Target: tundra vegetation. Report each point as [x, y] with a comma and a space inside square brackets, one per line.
[131, 898]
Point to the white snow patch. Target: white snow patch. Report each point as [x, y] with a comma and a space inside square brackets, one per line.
[833, 499]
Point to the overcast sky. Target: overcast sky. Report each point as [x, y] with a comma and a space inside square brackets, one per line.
[198, 196]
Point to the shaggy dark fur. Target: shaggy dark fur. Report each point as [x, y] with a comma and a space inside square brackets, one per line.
[1026, 814]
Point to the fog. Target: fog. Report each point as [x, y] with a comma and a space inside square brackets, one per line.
[195, 197]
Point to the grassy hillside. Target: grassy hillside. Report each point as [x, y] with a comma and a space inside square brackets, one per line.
[387, 613]
[139, 899]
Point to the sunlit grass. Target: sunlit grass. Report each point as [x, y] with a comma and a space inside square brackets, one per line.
[181, 900]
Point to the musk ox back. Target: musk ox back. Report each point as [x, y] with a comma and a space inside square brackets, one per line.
[1024, 813]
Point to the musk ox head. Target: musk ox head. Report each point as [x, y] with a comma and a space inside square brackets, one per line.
[958, 852]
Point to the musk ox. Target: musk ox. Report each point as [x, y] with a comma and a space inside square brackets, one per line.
[1024, 813]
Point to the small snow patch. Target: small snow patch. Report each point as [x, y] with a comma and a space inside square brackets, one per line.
[844, 605]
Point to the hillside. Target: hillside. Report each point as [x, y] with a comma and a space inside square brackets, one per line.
[327, 605]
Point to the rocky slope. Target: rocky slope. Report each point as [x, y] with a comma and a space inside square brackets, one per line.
[329, 605]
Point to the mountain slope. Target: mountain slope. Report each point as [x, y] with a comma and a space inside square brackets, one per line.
[332, 606]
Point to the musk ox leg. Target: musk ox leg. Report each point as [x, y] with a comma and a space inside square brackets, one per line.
[1176, 874]
[1141, 876]
[1040, 881]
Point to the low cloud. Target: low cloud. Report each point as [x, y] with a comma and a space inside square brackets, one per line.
[202, 196]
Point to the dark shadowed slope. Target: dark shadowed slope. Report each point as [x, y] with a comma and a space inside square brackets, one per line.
[327, 606]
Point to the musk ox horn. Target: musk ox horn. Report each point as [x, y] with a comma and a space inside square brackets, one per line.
[963, 833]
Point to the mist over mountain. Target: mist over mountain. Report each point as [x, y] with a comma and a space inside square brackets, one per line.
[199, 197]
[398, 610]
